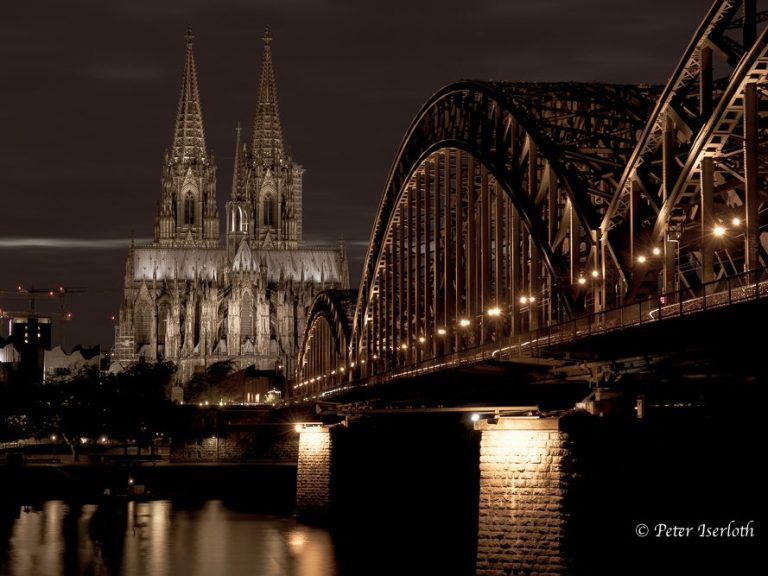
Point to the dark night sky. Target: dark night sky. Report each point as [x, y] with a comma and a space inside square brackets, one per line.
[88, 93]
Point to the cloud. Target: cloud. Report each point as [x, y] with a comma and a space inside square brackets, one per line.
[71, 243]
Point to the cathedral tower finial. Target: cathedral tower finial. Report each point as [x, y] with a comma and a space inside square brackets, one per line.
[267, 143]
[189, 134]
[236, 168]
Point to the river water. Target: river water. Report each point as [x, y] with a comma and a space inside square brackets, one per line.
[159, 538]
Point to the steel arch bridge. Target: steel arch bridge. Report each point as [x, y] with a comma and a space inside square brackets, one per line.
[512, 206]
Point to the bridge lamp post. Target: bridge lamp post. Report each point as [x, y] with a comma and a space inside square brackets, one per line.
[464, 324]
[527, 302]
[441, 334]
[495, 313]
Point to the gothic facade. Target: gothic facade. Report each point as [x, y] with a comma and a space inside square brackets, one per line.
[194, 300]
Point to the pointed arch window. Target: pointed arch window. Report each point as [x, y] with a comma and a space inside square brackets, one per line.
[236, 219]
[246, 315]
[269, 208]
[242, 220]
[163, 317]
[143, 324]
[189, 209]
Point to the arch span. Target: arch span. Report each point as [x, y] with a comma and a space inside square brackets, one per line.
[493, 204]
[322, 361]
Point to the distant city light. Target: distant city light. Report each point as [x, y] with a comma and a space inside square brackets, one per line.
[464, 322]
[475, 417]
[595, 274]
[736, 221]
[495, 311]
[441, 332]
[656, 251]
[719, 231]
[581, 280]
[641, 259]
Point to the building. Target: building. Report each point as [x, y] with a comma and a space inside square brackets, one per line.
[24, 351]
[194, 300]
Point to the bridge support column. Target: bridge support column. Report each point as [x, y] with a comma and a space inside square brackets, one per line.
[313, 475]
[521, 524]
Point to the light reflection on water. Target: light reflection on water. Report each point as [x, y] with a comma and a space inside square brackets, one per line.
[155, 539]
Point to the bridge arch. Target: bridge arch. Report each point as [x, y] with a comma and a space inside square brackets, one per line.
[322, 361]
[495, 196]
[510, 206]
[699, 164]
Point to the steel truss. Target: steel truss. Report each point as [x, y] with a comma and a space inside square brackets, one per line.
[514, 206]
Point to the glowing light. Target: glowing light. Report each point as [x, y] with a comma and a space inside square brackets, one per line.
[581, 280]
[54, 437]
[719, 231]
[441, 332]
[523, 299]
[404, 346]
[103, 439]
[296, 540]
[464, 322]
[531, 299]
[641, 259]
[422, 339]
[313, 427]
[736, 221]
[495, 311]
[475, 417]
[595, 274]
[131, 481]
[656, 251]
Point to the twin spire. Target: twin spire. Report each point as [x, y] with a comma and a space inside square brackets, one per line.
[267, 140]
[189, 134]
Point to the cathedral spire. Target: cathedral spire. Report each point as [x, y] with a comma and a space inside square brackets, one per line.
[267, 142]
[189, 135]
[236, 168]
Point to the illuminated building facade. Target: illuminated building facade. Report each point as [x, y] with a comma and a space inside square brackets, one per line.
[190, 299]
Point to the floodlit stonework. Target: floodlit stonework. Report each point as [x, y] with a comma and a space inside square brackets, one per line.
[190, 299]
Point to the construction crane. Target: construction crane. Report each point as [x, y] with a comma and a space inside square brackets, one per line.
[60, 292]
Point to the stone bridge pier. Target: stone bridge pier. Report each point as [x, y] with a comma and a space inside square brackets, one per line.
[524, 496]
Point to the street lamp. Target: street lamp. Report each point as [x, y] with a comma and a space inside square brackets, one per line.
[495, 313]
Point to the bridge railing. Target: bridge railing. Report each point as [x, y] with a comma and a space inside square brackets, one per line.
[720, 293]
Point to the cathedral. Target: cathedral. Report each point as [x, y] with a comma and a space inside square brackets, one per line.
[193, 300]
